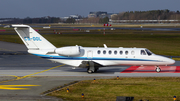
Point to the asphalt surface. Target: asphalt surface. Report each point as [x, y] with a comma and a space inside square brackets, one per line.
[23, 77]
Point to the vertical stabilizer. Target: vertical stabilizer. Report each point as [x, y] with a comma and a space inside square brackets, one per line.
[32, 39]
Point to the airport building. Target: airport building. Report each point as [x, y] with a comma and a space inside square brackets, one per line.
[100, 14]
[97, 14]
[143, 21]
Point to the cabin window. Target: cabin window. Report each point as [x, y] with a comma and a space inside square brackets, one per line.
[104, 52]
[99, 52]
[115, 52]
[126, 52]
[148, 52]
[143, 52]
[110, 52]
[121, 52]
[132, 52]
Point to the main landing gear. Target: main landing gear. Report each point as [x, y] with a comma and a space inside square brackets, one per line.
[158, 69]
[91, 68]
[92, 71]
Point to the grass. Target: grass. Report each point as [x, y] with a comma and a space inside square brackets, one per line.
[159, 42]
[177, 59]
[158, 25]
[149, 88]
[167, 43]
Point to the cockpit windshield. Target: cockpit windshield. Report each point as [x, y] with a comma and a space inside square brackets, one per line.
[148, 52]
[143, 52]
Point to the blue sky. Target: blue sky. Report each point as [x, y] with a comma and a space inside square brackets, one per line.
[62, 8]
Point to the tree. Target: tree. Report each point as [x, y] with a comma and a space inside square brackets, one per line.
[177, 11]
[104, 20]
[70, 20]
[146, 15]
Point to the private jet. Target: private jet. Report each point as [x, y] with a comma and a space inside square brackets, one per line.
[91, 58]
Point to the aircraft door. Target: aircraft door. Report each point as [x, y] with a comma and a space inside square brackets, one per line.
[89, 54]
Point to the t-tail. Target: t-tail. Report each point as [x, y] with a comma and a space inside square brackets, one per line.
[32, 39]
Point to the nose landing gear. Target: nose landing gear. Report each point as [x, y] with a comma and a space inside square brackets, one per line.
[158, 69]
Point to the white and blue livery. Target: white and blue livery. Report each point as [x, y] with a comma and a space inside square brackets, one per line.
[88, 57]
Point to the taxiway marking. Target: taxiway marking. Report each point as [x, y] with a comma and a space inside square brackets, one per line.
[151, 69]
[13, 87]
[16, 87]
[39, 72]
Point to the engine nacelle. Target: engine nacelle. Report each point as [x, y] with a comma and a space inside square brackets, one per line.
[68, 51]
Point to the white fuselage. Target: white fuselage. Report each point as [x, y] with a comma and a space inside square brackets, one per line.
[111, 56]
[88, 57]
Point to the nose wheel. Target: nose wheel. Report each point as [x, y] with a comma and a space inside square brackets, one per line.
[158, 69]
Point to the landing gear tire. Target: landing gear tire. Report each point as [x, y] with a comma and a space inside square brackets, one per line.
[96, 69]
[158, 69]
[90, 71]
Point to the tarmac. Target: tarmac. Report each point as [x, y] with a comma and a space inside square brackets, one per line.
[23, 77]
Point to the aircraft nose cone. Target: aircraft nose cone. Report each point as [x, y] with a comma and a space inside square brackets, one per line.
[171, 61]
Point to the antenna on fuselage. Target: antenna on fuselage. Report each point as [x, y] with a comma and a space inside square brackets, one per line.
[105, 46]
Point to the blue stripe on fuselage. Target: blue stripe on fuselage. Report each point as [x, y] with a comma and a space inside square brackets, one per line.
[86, 58]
